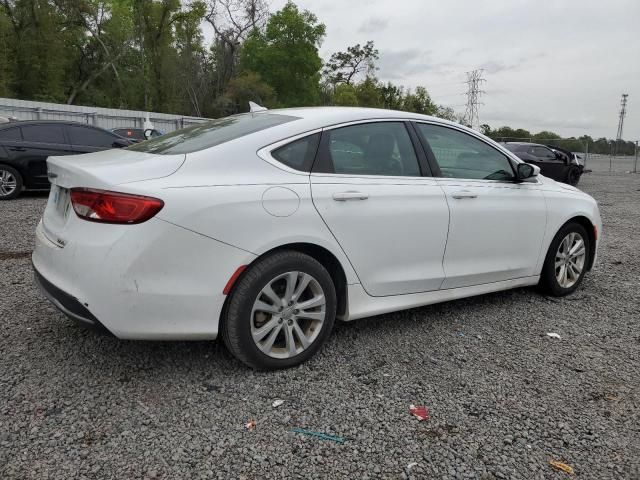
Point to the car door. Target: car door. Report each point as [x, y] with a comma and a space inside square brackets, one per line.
[41, 140]
[390, 221]
[549, 163]
[86, 139]
[496, 225]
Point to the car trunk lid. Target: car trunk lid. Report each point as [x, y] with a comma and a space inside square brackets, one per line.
[102, 170]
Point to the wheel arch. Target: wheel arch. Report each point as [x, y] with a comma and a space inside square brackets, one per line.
[591, 232]
[324, 256]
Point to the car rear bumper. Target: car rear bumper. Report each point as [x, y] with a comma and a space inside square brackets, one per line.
[68, 304]
[153, 281]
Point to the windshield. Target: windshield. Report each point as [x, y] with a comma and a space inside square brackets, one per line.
[211, 133]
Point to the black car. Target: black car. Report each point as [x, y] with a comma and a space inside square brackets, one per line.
[25, 146]
[556, 163]
[137, 134]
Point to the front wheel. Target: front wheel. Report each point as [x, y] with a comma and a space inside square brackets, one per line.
[573, 176]
[566, 261]
[280, 312]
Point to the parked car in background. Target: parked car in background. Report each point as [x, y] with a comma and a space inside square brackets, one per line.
[25, 146]
[137, 134]
[554, 162]
[263, 228]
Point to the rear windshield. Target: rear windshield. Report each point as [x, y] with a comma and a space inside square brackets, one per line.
[209, 134]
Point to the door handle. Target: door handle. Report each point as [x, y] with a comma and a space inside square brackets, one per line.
[17, 149]
[344, 196]
[464, 194]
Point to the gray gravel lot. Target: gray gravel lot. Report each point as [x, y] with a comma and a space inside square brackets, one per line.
[504, 397]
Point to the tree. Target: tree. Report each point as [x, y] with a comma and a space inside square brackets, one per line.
[343, 67]
[232, 22]
[286, 55]
[419, 102]
[246, 88]
[345, 96]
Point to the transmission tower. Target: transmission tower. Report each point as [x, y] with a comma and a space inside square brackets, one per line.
[623, 112]
[474, 91]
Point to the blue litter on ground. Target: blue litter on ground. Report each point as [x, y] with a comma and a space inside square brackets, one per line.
[323, 436]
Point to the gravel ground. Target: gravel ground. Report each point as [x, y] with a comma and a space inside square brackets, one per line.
[504, 397]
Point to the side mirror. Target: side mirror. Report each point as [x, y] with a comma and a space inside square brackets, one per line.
[526, 171]
[120, 143]
[148, 133]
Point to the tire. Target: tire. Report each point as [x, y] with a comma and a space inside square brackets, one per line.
[251, 318]
[551, 277]
[10, 183]
[573, 176]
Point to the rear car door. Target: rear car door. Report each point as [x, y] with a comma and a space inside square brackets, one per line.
[39, 142]
[88, 139]
[390, 221]
[497, 225]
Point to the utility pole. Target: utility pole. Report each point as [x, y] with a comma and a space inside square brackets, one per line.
[623, 112]
[474, 91]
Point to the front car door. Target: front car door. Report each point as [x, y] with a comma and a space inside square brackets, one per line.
[497, 225]
[390, 221]
[550, 165]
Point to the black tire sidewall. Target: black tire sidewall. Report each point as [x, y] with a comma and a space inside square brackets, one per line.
[573, 176]
[548, 278]
[19, 182]
[237, 321]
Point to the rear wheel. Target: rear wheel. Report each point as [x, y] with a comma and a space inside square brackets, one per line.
[280, 312]
[10, 182]
[566, 261]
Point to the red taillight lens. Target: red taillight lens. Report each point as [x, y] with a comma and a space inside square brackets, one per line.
[113, 207]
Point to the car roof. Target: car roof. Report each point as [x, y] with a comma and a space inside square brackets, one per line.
[308, 119]
[324, 116]
[525, 143]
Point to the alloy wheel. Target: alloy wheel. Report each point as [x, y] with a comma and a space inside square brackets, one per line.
[570, 260]
[288, 315]
[8, 183]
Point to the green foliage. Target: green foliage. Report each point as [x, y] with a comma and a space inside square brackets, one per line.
[345, 96]
[286, 55]
[151, 55]
[343, 67]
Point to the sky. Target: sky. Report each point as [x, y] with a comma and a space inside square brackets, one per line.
[557, 65]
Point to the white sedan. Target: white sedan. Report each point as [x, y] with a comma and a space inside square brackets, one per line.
[266, 227]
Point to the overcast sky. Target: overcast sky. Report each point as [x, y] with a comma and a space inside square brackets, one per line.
[555, 65]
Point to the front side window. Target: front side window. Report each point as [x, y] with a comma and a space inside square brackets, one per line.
[544, 153]
[43, 133]
[460, 155]
[209, 134]
[90, 137]
[298, 154]
[381, 148]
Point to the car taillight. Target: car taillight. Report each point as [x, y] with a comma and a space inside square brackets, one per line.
[112, 207]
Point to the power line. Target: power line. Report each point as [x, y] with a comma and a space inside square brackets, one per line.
[623, 112]
[474, 92]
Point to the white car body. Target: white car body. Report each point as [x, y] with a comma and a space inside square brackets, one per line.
[414, 241]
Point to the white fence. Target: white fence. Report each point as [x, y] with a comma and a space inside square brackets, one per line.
[101, 117]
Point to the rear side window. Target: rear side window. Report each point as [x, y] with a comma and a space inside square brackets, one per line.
[11, 134]
[90, 137]
[298, 154]
[43, 133]
[209, 134]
